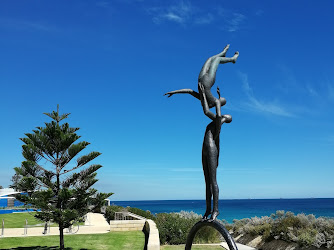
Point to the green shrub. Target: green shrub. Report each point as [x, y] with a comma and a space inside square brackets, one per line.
[147, 214]
[228, 226]
[254, 226]
[110, 212]
[306, 230]
[285, 227]
[207, 235]
[239, 225]
[306, 237]
[173, 229]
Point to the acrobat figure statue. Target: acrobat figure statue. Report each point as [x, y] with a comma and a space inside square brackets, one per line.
[210, 156]
[207, 78]
[210, 150]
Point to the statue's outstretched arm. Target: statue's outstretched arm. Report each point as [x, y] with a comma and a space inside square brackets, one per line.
[184, 91]
[205, 104]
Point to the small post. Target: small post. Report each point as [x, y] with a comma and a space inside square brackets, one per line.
[26, 228]
[3, 228]
[45, 228]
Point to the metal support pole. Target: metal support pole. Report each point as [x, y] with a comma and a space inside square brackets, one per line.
[3, 228]
[26, 228]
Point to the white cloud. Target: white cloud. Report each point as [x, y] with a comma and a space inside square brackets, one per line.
[255, 104]
[173, 17]
[234, 23]
[232, 20]
[321, 91]
[179, 13]
[185, 13]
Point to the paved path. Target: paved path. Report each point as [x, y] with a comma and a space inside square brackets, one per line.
[95, 219]
[96, 224]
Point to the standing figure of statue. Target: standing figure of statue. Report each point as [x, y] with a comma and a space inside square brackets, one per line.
[210, 150]
[210, 156]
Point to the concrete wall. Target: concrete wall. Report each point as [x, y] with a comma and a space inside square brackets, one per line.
[126, 225]
[147, 226]
[153, 242]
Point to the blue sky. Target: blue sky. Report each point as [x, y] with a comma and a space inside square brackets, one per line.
[109, 63]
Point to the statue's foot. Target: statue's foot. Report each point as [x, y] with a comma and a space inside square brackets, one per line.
[223, 53]
[206, 215]
[234, 58]
[214, 215]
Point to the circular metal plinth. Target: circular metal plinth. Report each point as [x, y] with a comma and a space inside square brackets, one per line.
[219, 227]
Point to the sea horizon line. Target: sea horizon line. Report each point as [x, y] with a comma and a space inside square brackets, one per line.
[281, 198]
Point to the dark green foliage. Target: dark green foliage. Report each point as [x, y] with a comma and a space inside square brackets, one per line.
[173, 229]
[110, 212]
[97, 201]
[61, 197]
[207, 235]
[147, 214]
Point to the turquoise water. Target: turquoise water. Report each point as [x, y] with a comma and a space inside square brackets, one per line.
[238, 209]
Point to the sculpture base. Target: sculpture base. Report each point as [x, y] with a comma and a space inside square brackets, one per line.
[219, 227]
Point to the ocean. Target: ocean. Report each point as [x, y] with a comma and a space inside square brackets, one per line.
[239, 209]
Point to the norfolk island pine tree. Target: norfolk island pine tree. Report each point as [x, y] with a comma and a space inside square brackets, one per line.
[59, 193]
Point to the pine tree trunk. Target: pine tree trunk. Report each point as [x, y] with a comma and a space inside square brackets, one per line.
[61, 227]
[61, 237]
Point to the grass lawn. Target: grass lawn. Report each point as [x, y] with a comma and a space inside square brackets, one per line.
[131, 240]
[17, 220]
[194, 247]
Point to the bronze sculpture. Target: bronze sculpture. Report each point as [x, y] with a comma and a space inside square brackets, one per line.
[210, 150]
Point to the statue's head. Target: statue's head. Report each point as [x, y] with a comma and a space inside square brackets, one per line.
[228, 118]
[222, 101]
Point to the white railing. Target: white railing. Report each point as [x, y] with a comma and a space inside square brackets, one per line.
[127, 216]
